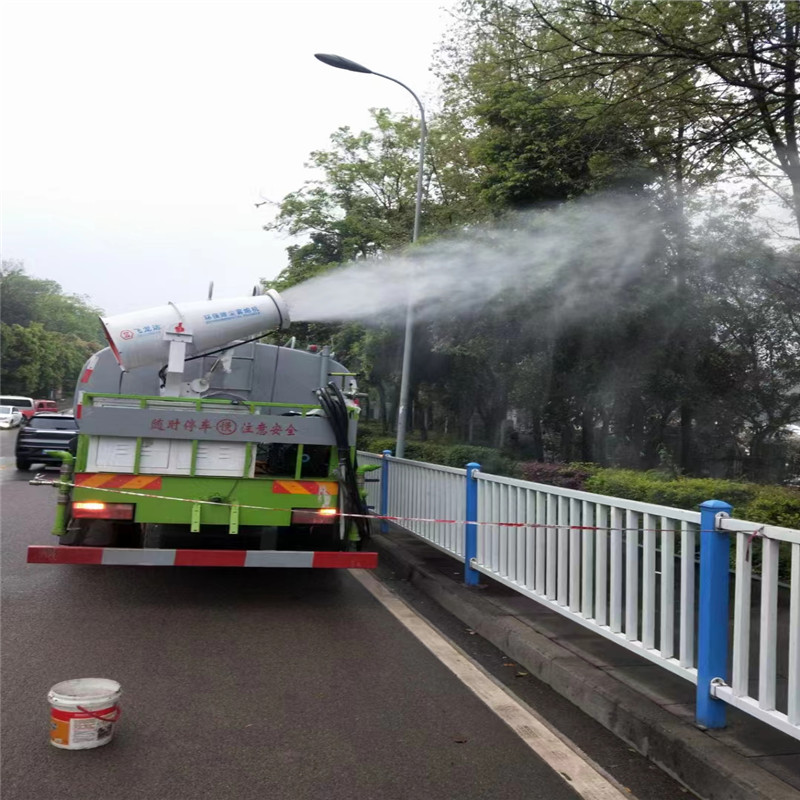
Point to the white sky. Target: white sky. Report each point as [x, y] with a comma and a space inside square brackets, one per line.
[137, 135]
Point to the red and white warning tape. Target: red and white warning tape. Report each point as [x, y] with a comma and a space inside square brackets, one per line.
[388, 518]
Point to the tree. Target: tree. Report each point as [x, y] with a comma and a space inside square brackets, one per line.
[46, 335]
[568, 97]
[754, 366]
[362, 207]
[364, 202]
[636, 366]
[726, 72]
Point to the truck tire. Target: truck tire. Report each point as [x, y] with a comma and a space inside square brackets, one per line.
[152, 533]
[75, 535]
[23, 466]
[92, 533]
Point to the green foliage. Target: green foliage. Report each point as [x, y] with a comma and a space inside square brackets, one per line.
[698, 82]
[46, 335]
[363, 204]
[453, 455]
[773, 505]
[567, 476]
[769, 505]
[687, 362]
[655, 487]
[490, 459]
[538, 149]
[24, 300]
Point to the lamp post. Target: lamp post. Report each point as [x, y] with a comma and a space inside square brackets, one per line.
[402, 411]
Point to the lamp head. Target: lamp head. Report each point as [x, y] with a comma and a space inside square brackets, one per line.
[341, 63]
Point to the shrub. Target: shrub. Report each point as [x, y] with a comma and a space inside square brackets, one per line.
[455, 455]
[770, 505]
[425, 451]
[567, 476]
[650, 487]
[491, 460]
[773, 505]
[374, 444]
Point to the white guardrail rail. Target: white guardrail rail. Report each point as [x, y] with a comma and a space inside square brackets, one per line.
[420, 493]
[766, 628]
[627, 571]
[607, 563]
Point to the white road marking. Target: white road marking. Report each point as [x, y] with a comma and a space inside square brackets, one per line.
[565, 758]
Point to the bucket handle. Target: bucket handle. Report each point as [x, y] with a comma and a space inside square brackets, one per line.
[115, 715]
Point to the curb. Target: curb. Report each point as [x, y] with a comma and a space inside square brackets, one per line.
[701, 763]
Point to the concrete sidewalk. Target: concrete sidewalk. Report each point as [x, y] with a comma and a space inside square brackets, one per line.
[648, 707]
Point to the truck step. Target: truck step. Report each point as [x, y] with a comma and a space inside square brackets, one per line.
[151, 557]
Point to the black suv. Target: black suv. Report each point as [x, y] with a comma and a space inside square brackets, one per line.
[44, 432]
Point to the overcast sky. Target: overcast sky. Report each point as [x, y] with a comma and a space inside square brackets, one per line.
[137, 135]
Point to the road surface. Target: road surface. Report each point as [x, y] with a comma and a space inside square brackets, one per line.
[248, 684]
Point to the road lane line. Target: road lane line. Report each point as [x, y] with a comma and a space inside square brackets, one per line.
[574, 767]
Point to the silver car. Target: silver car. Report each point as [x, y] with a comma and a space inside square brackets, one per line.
[10, 417]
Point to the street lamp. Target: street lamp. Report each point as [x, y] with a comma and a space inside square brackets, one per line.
[402, 411]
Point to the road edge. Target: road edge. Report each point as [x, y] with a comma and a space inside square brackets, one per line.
[705, 766]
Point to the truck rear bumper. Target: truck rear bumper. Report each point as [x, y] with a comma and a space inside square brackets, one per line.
[151, 557]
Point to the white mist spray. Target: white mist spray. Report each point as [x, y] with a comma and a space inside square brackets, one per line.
[582, 253]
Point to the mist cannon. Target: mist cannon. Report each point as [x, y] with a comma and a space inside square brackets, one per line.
[169, 333]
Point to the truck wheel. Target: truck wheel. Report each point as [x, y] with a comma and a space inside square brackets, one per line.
[329, 538]
[90, 533]
[151, 534]
[24, 466]
[75, 535]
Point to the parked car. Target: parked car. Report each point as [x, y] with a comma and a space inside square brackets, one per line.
[10, 417]
[22, 404]
[43, 432]
[27, 406]
[40, 406]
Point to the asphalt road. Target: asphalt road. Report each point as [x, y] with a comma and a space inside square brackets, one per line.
[288, 684]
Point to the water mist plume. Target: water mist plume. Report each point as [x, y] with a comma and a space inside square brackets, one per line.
[582, 253]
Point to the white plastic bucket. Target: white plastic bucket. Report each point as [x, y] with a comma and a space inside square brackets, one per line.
[83, 712]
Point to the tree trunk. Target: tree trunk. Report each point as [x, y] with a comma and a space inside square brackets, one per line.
[538, 438]
[384, 409]
[687, 455]
[567, 438]
[601, 444]
[636, 431]
[501, 435]
[587, 434]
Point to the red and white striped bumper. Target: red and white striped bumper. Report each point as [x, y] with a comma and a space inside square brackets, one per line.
[151, 557]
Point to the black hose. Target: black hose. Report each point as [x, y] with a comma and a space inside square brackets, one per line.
[333, 402]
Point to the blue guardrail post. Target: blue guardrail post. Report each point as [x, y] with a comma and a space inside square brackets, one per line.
[712, 630]
[384, 490]
[471, 576]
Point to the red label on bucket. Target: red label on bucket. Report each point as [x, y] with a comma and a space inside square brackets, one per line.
[57, 713]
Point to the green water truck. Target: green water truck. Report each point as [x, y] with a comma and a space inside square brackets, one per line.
[200, 445]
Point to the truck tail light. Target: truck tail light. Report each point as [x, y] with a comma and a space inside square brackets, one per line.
[91, 509]
[313, 516]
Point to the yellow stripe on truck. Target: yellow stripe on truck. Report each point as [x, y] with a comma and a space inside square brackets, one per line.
[305, 487]
[107, 480]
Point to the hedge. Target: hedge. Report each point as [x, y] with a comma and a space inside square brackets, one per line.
[449, 455]
[770, 505]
